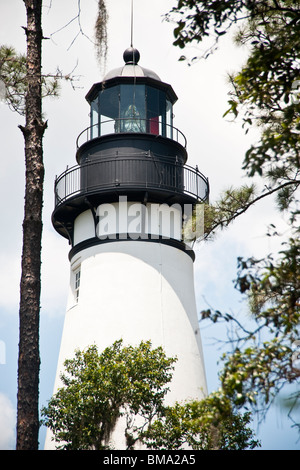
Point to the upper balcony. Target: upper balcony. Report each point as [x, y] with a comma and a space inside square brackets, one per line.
[131, 136]
[131, 125]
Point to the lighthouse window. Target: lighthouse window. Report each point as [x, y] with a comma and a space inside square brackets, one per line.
[77, 284]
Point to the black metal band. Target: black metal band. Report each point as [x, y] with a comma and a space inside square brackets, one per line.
[180, 245]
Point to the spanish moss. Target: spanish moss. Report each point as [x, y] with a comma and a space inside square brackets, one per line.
[101, 31]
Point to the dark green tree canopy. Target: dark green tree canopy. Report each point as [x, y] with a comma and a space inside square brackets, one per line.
[264, 94]
[98, 389]
[130, 383]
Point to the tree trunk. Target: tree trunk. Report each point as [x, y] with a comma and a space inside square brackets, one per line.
[29, 358]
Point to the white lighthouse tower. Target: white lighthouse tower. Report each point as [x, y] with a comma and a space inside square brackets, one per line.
[122, 209]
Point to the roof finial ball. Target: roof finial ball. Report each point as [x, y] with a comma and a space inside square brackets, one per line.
[131, 56]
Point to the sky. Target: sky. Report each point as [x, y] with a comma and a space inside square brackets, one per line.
[215, 144]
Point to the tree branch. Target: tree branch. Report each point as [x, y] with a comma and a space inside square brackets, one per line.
[227, 220]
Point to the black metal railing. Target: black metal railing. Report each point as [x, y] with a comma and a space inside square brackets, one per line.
[130, 172]
[129, 125]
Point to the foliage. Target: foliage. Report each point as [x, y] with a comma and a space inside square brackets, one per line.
[264, 94]
[262, 360]
[231, 203]
[13, 78]
[274, 289]
[126, 382]
[264, 91]
[209, 424]
[130, 383]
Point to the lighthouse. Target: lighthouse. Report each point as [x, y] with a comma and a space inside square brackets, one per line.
[123, 208]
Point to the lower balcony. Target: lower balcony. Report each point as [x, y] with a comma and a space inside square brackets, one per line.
[131, 173]
[141, 178]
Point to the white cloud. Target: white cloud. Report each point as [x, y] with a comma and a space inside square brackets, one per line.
[7, 423]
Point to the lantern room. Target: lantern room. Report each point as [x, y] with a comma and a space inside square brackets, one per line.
[131, 99]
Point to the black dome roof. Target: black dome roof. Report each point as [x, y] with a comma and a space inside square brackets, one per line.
[131, 68]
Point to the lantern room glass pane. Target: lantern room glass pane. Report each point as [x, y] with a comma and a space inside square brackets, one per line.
[132, 108]
[169, 119]
[109, 110]
[156, 111]
[94, 119]
[153, 110]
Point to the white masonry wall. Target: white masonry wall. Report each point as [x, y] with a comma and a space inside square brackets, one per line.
[135, 290]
